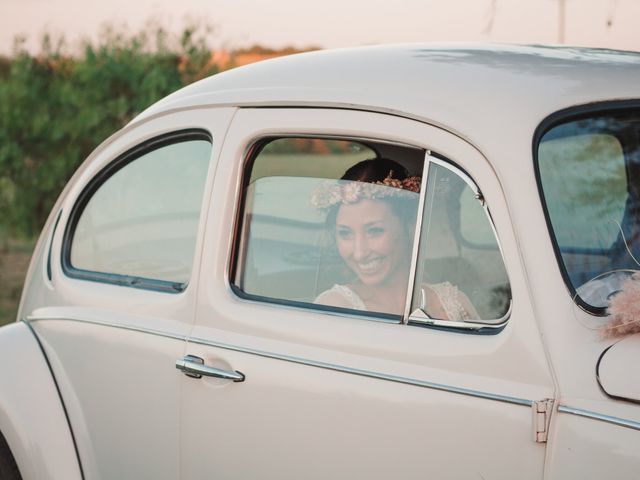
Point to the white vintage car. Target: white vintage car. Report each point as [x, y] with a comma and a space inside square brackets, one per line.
[215, 295]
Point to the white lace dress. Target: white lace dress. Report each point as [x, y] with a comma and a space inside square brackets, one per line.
[455, 304]
[352, 299]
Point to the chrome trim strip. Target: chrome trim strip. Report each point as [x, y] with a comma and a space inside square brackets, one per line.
[367, 373]
[419, 318]
[311, 363]
[416, 237]
[157, 333]
[621, 422]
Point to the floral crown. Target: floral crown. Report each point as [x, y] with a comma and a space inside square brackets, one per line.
[346, 192]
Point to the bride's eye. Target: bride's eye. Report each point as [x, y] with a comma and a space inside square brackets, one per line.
[344, 233]
[375, 231]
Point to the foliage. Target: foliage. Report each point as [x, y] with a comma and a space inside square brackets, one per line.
[56, 108]
[266, 51]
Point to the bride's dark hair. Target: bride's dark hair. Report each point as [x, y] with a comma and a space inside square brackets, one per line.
[375, 170]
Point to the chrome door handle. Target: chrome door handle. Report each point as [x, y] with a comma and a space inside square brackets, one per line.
[194, 367]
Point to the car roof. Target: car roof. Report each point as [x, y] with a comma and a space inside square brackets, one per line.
[477, 91]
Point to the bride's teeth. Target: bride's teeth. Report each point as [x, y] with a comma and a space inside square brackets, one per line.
[369, 266]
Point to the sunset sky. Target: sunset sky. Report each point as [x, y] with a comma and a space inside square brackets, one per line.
[334, 23]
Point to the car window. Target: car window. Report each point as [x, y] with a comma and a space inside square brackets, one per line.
[455, 279]
[589, 172]
[320, 230]
[309, 238]
[136, 223]
[475, 231]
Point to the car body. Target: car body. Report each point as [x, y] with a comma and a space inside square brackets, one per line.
[187, 240]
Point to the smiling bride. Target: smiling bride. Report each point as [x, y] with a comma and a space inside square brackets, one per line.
[371, 214]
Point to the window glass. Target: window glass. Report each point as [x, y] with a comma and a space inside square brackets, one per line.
[143, 220]
[474, 228]
[317, 230]
[342, 237]
[308, 157]
[589, 173]
[457, 280]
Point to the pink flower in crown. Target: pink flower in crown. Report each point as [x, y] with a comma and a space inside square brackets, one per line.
[412, 184]
[351, 192]
[391, 182]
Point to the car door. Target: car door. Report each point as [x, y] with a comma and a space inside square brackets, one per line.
[118, 290]
[283, 387]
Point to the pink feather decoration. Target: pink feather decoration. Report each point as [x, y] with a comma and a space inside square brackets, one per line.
[624, 310]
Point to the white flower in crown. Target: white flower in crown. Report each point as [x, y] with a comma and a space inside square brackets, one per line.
[352, 192]
[334, 192]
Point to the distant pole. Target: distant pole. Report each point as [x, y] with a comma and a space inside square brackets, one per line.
[561, 20]
[612, 13]
[491, 16]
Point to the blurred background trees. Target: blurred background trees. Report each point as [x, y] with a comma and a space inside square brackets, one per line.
[56, 108]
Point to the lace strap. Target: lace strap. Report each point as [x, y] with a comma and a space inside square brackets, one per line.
[353, 298]
[449, 297]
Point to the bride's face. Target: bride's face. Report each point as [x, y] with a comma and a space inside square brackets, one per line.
[372, 241]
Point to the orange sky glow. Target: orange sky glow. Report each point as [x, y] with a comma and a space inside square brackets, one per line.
[334, 23]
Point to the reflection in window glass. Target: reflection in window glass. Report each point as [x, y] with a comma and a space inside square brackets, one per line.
[335, 243]
[143, 220]
[585, 195]
[589, 174]
[474, 228]
[455, 279]
[308, 157]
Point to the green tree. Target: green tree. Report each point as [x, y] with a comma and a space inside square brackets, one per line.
[55, 108]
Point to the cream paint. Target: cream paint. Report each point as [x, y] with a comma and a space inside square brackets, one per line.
[32, 419]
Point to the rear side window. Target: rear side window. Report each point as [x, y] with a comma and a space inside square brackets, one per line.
[136, 223]
[589, 172]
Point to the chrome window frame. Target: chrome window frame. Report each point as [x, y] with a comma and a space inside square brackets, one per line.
[418, 317]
